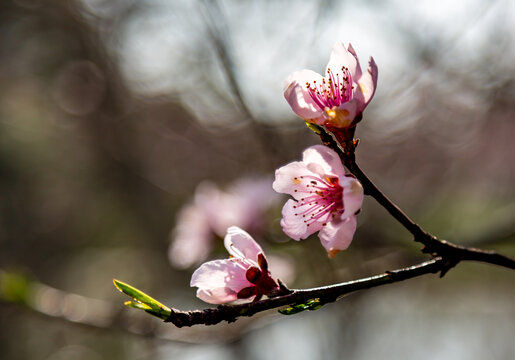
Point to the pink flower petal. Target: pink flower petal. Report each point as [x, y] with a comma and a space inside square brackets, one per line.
[192, 238]
[287, 179]
[302, 77]
[220, 281]
[352, 196]
[256, 193]
[345, 56]
[293, 225]
[298, 98]
[316, 168]
[222, 208]
[367, 85]
[347, 113]
[337, 236]
[244, 275]
[241, 245]
[324, 157]
[325, 198]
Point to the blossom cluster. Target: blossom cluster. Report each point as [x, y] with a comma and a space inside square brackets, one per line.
[325, 199]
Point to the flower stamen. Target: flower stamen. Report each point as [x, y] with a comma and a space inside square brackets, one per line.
[325, 199]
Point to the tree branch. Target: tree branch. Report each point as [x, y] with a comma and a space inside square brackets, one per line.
[324, 295]
[346, 153]
[220, 38]
[452, 253]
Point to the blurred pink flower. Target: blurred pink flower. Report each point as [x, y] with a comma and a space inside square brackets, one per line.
[244, 275]
[212, 211]
[337, 99]
[192, 237]
[326, 199]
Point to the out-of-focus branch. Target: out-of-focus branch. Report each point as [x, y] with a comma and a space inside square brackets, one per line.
[220, 37]
[23, 294]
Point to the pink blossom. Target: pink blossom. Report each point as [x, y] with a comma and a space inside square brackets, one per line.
[337, 99]
[244, 275]
[192, 237]
[212, 211]
[325, 199]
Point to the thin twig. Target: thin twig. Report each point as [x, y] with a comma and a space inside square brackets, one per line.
[219, 35]
[348, 159]
[326, 294]
[452, 253]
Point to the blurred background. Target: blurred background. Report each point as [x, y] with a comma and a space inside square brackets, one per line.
[126, 123]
